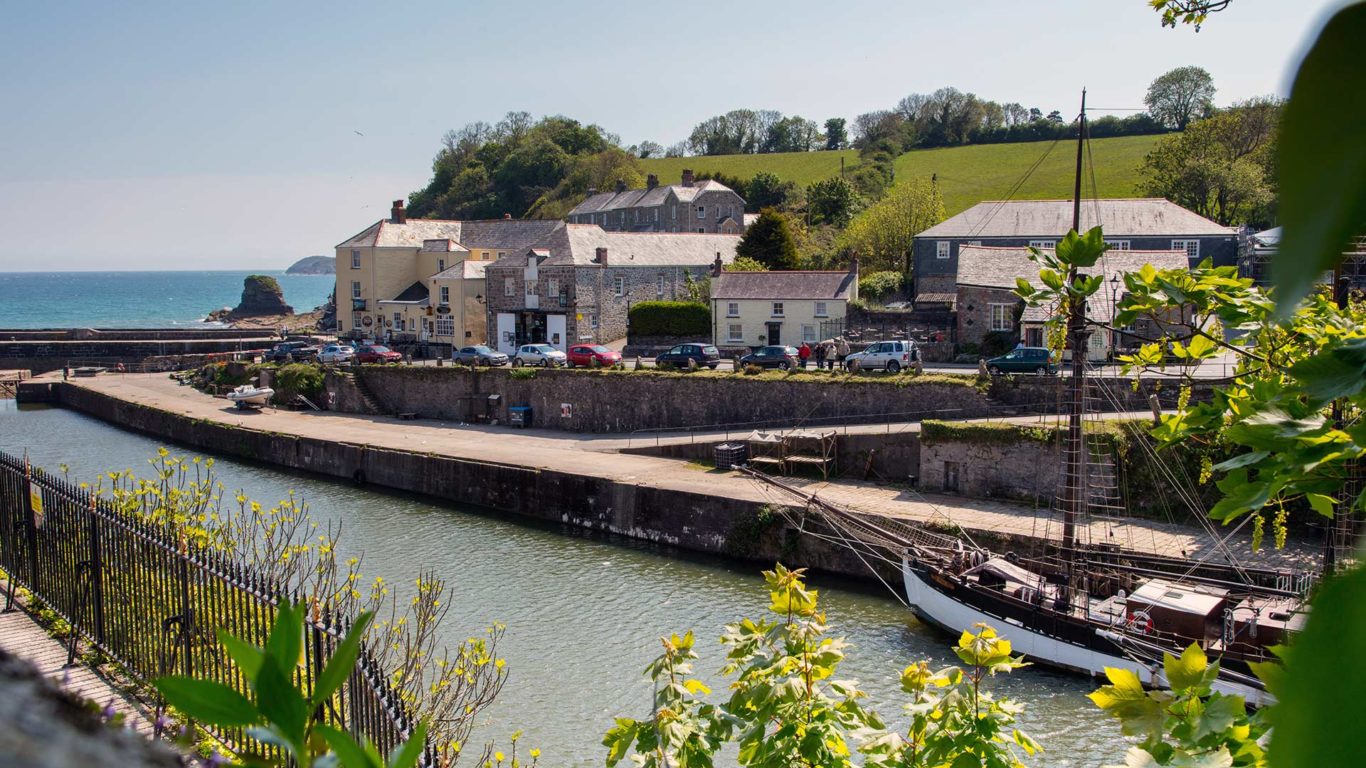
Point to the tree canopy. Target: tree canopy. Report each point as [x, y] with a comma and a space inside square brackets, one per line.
[1181, 96]
[882, 234]
[769, 241]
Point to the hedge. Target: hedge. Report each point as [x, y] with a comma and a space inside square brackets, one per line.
[670, 318]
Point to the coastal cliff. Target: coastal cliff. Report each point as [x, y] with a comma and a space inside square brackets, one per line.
[313, 265]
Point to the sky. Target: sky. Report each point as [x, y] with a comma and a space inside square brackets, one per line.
[246, 135]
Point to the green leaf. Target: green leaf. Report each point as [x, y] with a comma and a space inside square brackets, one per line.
[406, 754]
[1317, 718]
[342, 662]
[1321, 504]
[208, 702]
[1201, 347]
[348, 751]
[281, 702]
[245, 655]
[1322, 159]
[1241, 460]
[286, 641]
[1187, 671]
[1333, 372]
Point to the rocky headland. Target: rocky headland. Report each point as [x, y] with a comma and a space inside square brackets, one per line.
[313, 265]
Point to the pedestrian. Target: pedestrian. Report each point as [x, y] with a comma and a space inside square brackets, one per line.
[820, 355]
[804, 354]
[843, 351]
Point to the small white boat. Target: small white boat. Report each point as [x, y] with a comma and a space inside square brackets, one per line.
[250, 396]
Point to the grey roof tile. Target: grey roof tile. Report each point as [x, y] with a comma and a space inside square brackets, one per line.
[791, 285]
[1053, 218]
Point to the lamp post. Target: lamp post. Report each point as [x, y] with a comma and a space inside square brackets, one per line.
[1114, 305]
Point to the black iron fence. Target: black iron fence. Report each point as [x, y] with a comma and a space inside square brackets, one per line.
[153, 603]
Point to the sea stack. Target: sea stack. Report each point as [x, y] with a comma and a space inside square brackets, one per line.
[261, 296]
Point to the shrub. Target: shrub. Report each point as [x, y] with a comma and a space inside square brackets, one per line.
[523, 373]
[876, 285]
[670, 318]
[753, 370]
[298, 379]
[998, 343]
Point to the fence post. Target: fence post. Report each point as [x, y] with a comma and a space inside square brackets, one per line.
[186, 613]
[96, 574]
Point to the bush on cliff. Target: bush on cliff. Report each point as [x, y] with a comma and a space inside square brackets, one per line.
[670, 318]
[298, 379]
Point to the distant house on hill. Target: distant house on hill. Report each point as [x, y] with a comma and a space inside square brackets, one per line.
[985, 300]
[1151, 224]
[754, 309]
[578, 284]
[706, 206]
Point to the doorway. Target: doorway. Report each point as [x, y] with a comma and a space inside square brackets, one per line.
[775, 333]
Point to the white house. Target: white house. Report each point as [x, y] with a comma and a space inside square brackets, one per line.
[753, 309]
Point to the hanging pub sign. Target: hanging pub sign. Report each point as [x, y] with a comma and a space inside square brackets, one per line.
[443, 310]
[366, 320]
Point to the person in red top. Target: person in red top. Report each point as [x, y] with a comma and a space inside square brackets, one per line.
[804, 352]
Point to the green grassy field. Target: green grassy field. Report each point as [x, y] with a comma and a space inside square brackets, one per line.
[967, 175]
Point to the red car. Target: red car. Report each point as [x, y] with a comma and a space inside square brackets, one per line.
[377, 353]
[586, 354]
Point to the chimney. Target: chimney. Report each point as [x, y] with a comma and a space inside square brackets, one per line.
[716, 266]
[396, 214]
[507, 216]
[601, 256]
[651, 181]
[687, 177]
[621, 186]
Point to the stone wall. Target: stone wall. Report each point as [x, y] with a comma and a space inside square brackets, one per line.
[43, 356]
[892, 456]
[1021, 469]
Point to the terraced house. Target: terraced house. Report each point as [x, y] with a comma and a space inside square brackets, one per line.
[578, 283]
[707, 206]
[423, 279]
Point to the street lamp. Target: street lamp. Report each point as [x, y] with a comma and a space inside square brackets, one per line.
[1114, 306]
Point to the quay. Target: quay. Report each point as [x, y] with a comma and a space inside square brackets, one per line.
[587, 480]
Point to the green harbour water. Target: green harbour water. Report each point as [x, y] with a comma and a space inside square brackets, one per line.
[584, 613]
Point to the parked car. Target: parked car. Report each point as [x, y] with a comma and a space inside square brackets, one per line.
[377, 353]
[586, 354]
[890, 356]
[336, 353]
[1024, 360]
[479, 355]
[779, 357]
[290, 351]
[704, 354]
[543, 355]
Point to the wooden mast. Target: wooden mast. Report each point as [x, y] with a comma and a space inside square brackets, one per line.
[1074, 492]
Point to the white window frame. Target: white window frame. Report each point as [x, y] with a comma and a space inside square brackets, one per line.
[1119, 245]
[355, 320]
[398, 321]
[941, 249]
[355, 289]
[732, 309]
[701, 212]
[735, 332]
[440, 265]
[1185, 245]
[593, 321]
[445, 325]
[509, 286]
[445, 293]
[808, 334]
[778, 309]
[533, 289]
[1043, 245]
[822, 309]
[673, 213]
[355, 258]
[659, 285]
[619, 286]
[1002, 317]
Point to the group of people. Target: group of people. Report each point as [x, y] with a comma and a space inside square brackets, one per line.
[830, 353]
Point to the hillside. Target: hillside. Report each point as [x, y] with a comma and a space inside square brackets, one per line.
[967, 175]
[314, 265]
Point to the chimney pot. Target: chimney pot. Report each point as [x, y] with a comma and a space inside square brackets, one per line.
[601, 256]
[396, 214]
[687, 177]
[621, 186]
[716, 266]
[651, 181]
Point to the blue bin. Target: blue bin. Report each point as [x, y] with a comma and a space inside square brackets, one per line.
[519, 416]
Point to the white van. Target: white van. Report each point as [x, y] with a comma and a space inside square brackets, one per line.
[891, 356]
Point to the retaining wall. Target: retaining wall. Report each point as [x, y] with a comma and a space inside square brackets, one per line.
[44, 356]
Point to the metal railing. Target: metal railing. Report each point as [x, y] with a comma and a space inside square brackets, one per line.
[153, 603]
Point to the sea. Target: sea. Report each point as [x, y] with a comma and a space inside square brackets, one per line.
[138, 299]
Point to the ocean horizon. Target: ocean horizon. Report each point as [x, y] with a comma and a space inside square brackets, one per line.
[139, 299]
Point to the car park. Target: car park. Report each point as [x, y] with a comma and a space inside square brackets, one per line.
[588, 355]
[890, 356]
[290, 351]
[479, 355]
[680, 356]
[776, 356]
[543, 355]
[377, 353]
[336, 353]
[1024, 360]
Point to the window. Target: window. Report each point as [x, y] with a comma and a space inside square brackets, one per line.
[339, 327]
[1191, 247]
[509, 287]
[656, 215]
[1043, 245]
[701, 230]
[355, 289]
[735, 332]
[809, 334]
[619, 286]
[1002, 317]
[355, 258]
[821, 309]
[440, 265]
[777, 309]
[355, 320]
[1118, 245]
[701, 211]
[398, 321]
[673, 212]
[445, 326]
[500, 254]
[552, 286]
[659, 285]
[593, 322]
[941, 249]
[533, 289]
[732, 309]
[445, 294]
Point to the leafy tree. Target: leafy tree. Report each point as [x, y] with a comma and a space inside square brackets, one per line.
[876, 285]
[769, 241]
[746, 264]
[831, 201]
[1192, 12]
[882, 234]
[649, 149]
[836, 136]
[1222, 166]
[792, 134]
[766, 190]
[1055, 116]
[600, 170]
[1181, 96]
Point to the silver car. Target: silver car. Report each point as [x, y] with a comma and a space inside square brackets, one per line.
[336, 353]
[479, 355]
[543, 355]
[889, 355]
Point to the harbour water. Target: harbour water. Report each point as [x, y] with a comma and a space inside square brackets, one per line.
[137, 299]
[583, 613]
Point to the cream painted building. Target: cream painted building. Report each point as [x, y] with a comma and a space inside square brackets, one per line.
[423, 279]
[754, 309]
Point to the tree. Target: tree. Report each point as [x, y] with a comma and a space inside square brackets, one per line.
[1181, 96]
[769, 241]
[831, 201]
[1221, 167]
[648, 149]
[836, 137]
[766, 190]
[882, 234]
[792, 134]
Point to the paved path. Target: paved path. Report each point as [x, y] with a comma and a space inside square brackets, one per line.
[594, 455]
[21, 636]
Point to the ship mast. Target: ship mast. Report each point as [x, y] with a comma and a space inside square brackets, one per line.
[1074, 494]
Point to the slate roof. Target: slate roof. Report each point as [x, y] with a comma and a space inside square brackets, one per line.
[496, 234]
[577, 244]
[468, 269]
[995, 267]
[783, 285]
[416, 293]
[1053, 218]
[644, 198]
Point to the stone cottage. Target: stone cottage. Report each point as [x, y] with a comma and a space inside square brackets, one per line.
[578, 284]
[753, 309]
[706, 206]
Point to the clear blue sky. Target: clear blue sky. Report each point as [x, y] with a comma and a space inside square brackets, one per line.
[240, 135]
